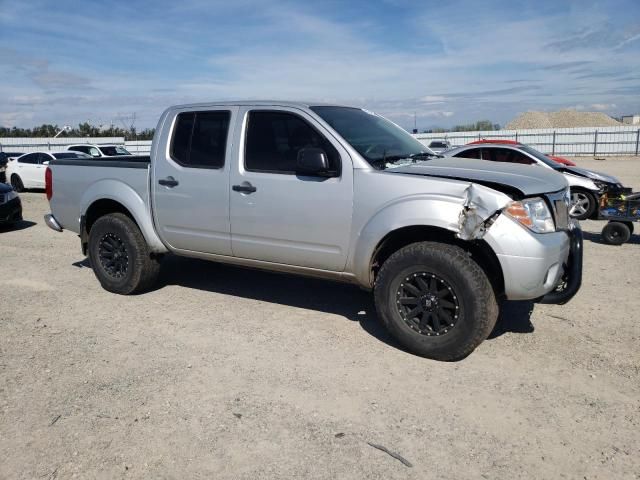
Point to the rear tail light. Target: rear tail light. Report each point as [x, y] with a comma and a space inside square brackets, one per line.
[48, 183]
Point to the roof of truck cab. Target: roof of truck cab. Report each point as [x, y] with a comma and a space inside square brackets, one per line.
[261, 103]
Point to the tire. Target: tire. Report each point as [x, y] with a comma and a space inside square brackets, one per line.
[458, 280]
[615, 233]
[120, 256]
[583, 204]
[630, 226]
[16, 183]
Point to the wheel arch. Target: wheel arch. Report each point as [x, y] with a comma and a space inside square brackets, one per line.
[479, 250]
[110, 196]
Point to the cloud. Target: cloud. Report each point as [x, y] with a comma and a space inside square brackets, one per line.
[395, 61]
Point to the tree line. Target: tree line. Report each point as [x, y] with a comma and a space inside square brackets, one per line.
[82, 130]
[484, 125]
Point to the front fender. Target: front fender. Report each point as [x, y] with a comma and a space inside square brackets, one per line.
[583, 182]
[118, 191]
[440, 210]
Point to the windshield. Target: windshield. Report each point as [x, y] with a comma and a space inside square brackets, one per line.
[540, 156]
[113, 151]
[377, 139]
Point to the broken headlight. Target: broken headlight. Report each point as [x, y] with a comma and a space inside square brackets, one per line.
[532, 213]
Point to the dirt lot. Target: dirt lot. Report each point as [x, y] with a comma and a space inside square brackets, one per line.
[229, 373]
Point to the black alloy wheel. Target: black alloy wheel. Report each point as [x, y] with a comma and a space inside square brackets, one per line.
[427, 304]
[113, 255]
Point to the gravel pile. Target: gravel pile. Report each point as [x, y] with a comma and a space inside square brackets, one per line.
[561, 119]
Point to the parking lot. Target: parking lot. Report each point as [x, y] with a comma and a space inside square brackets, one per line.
[222, 372]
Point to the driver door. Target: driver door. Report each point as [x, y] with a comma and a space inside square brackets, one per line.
[277, 215]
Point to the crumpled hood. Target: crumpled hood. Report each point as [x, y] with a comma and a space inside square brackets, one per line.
[583, 172]
[527, 179]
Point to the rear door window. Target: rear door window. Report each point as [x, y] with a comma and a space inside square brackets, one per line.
[31, 158]
[506, 155]
[200, 139]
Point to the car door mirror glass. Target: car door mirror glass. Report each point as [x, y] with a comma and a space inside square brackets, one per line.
[313, 161]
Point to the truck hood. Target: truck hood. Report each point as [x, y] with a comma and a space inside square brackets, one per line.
[526, 180]
[583, 172]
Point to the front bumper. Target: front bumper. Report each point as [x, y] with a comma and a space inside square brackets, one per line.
[11, 211]
[535, 264]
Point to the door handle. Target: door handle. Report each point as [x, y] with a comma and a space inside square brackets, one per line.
[168, 182]
[244, 187]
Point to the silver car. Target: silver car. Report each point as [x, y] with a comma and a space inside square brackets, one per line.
[586, 185]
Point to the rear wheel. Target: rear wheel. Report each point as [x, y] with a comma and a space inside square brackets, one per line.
[120, 256]
[16, 183]
[435, 300]
[583, 204]
[616, 233]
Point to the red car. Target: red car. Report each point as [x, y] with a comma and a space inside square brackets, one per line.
[556, 159]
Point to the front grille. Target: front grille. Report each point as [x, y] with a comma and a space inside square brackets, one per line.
[560, 208]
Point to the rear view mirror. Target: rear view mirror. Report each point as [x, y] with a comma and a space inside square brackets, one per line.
[314, 162]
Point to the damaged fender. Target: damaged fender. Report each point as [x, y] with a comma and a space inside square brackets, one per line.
[477, 214]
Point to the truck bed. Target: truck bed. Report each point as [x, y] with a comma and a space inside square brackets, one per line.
[77, 183]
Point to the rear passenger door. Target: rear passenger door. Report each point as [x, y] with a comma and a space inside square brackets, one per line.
[277, 215]
[190, 181]
[26, 168]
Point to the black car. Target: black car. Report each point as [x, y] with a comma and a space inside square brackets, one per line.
[10, 205]
[4, 159]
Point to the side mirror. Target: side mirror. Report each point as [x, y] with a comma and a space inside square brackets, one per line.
[46, 162]
[94, 152]
[313, 162]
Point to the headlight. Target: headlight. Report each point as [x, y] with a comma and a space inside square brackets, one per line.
[10, 196]
[532, 213]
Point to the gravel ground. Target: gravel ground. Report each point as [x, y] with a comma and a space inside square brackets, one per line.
[229, 373]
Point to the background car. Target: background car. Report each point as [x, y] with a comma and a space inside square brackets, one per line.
[27, 171]
[10, 205]
[439, 146]
[555, 158]
[4, 159]
[100, 150]
[586, 185]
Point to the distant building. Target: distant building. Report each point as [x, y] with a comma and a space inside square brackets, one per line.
[631, 119]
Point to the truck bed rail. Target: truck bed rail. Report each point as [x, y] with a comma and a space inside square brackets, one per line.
[121, 161]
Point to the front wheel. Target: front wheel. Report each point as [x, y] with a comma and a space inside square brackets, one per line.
[583, 204]
[119, 255]
[435, 300]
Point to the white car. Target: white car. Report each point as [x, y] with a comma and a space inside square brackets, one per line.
[100, 150]
[586, 185]
[27, 171]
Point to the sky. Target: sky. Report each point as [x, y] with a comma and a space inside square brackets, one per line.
[439, 63]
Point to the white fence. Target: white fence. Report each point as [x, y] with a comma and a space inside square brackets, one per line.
[139, 147]
[559, 141]
[27, 145]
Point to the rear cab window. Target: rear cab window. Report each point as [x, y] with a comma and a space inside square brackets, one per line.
[200, 139]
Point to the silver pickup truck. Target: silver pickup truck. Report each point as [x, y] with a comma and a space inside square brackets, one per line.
[333, 192]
